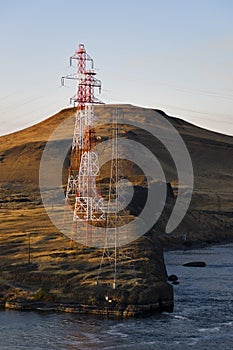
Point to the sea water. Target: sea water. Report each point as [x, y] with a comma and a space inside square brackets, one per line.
[202, 317]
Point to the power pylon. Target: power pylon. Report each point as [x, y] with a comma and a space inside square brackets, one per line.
[81, 191]
[116, 259]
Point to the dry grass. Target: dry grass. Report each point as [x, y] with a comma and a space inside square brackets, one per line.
[70, 272]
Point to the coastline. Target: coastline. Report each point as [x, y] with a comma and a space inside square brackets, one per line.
[202, 316]
[122, 311]
[194, 244]
[127, 311]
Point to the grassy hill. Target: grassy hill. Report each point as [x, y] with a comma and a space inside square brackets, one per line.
[69, 273]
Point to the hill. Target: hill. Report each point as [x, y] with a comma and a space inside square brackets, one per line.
[69, 272]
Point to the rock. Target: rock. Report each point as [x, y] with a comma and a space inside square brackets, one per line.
[175, 282]
[172, 278]
[195, 264]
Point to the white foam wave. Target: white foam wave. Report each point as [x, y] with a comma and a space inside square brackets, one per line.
[211, 329]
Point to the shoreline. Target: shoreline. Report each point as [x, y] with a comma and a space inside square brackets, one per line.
[122, 312]
[195, 245]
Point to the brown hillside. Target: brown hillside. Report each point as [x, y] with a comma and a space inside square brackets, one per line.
[56, 266]
[211, 155]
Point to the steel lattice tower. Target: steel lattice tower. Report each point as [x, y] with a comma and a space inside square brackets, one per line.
[81, 192]
[116, 260]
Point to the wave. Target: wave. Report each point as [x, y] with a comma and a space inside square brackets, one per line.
[210, 329]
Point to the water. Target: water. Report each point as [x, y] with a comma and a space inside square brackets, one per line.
[202, 319]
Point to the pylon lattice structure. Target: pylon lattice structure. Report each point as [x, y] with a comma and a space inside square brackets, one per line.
[81, 191]
[115, 258]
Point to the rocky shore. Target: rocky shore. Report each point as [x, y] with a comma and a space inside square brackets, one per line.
[66, 281]
[123, 311]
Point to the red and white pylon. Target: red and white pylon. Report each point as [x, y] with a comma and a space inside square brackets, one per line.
[81, 189]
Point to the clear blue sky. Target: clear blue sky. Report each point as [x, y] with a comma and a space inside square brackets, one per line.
[176, 55]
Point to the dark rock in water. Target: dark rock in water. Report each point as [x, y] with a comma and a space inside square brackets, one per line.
[175, 282]
[195, 264]
[172, 278]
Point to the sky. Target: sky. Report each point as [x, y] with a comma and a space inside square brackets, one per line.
[174, 55]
